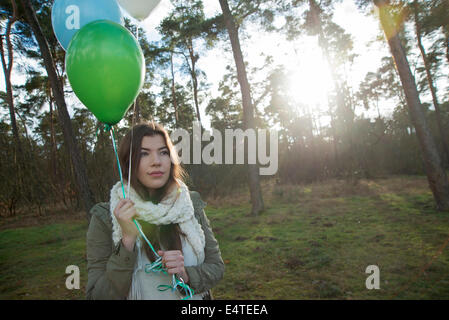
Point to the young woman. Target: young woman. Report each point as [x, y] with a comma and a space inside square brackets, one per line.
[170, 216]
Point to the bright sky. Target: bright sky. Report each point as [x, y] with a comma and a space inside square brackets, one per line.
[311, 79]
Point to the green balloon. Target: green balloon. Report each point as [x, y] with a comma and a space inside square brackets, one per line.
[106, 69]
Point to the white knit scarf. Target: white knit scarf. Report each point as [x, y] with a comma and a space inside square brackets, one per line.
[176, 207]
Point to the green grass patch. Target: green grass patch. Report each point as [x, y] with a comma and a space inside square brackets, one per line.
[34, 260]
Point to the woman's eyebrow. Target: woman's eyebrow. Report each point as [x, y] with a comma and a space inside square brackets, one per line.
[165, 147]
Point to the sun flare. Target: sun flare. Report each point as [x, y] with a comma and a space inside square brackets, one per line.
[310, 81]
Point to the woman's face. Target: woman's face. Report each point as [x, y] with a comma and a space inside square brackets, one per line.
[155, 162]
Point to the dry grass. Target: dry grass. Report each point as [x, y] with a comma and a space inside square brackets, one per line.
[336, 188]
[30, 219]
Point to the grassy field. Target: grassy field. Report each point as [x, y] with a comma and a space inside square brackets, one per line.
[313, 241]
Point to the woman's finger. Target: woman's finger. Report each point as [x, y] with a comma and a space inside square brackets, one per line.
[174, 264]
[174, 270]
[119, 207]
[174, 260]
[120, 204]
[129, 214]
[124, 201]
[128, 204]
[172, 253]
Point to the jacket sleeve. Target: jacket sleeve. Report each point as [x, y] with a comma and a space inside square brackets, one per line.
[206, 275]
[109, 269]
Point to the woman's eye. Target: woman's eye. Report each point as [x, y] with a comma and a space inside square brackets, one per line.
[143, 153]
[165, 152]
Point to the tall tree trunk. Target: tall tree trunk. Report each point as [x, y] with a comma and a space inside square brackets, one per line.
[54, 175]
[137, 111]
[193, 59]
[435, 173]
[334, 142]
[248, 112]
[173, 89]
[24, 125]
[63, 115]
[447, 46]
[53, 143]
[430, 81]
[7, 69]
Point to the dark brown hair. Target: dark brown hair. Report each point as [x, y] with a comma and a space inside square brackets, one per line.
[167, 235]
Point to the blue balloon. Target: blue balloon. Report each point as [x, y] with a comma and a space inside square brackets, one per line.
[68, 16]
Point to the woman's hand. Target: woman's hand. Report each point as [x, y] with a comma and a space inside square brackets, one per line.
[173, 260]
[125, 212]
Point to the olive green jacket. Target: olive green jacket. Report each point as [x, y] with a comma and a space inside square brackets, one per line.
[110, 267]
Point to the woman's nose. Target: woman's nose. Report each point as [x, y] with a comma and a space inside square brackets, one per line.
[156, 160]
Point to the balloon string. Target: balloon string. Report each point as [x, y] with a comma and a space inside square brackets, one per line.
[111, 130]
[130, 152]
[132, 126]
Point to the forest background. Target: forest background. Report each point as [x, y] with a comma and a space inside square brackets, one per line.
[324, 74]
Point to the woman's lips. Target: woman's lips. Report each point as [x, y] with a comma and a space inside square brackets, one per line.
[156, 174]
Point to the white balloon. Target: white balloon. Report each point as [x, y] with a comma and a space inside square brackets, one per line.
[139, 9]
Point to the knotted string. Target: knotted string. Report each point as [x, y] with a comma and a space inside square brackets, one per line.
[177, 283]
[156, 266]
